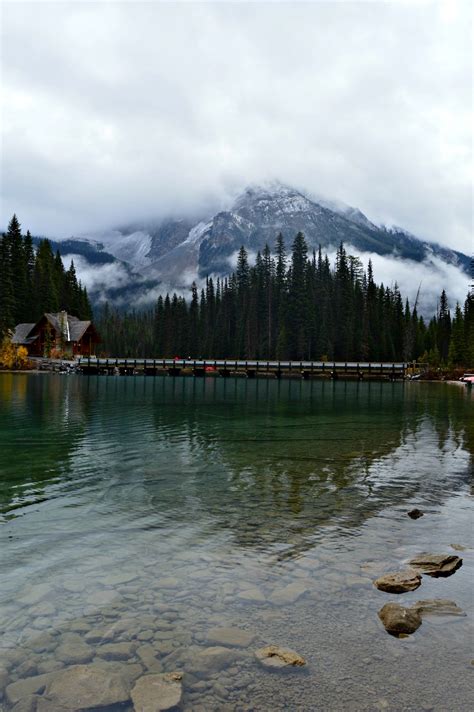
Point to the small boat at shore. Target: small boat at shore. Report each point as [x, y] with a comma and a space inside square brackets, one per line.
[468, 379]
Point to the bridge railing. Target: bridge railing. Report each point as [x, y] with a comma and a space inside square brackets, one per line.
[274, 365]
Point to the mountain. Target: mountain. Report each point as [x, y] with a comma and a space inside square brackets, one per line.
[174, 252]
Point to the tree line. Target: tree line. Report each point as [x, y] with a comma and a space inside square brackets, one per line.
[293, 306]
[35, 281]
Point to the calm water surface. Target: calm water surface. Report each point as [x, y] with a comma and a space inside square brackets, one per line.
[148, 512]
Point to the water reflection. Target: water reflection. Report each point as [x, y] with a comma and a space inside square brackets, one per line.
[144, 512]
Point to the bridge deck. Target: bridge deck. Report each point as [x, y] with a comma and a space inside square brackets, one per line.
[250, 367]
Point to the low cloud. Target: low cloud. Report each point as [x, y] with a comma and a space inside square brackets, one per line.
[99, 278]
[430, 276]
[124, 111]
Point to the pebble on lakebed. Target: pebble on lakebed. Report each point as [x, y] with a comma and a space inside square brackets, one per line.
[272, 656]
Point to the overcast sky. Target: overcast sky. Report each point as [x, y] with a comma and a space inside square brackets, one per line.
[117, 111]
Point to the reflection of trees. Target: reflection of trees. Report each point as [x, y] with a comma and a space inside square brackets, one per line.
[262, 461]
[41, 421]
[292, 457]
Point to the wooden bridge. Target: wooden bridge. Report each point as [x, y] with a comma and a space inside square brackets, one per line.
[241, 367]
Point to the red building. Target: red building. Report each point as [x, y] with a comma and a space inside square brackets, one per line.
[61, 331]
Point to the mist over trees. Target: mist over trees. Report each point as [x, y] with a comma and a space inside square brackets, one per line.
[35, 281]
[288, 305]
[293, 306]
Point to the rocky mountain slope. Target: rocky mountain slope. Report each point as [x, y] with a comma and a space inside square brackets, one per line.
[174, 252]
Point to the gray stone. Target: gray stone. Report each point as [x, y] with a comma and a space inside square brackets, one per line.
[289, 594]
[3, 680]
[274, 656]
[436, 564]
[146, 653]
[438, 607]
[399, 582]
[73, 650]
[233, 637]
[116, 651]
[157, 693]
[74, 585]
[27, 686]
[399, 620]
[167, 582]
[415, 513]
[42, 643]
[121, 578]
[100, 635]
[83, 687]
[102, 598]
[27, 704]
[213, 659]
[252, 595]
[35, 594]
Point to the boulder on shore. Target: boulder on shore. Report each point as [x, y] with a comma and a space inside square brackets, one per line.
[436, 564]
[399, 620]
[275, 657]
[398, 582]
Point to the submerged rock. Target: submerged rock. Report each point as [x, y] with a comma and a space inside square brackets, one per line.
[275, 657]
[398, 582]
[436, 564]
[415, 513]
[158, 693]
[27, 686]
[438, 607]
[399, 620]
[233, 637]
[290, 593]
[84, 687]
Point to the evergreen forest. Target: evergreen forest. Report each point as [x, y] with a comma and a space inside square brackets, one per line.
[293, 306]
[33, 280]
[289, 304]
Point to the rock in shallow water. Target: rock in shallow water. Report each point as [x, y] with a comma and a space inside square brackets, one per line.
[436, 564]
[415, 513]
[438, 607]
[84, 687]
[275, 657]
[233, 637]
[399, 582]
[399, 620]
[158, 693]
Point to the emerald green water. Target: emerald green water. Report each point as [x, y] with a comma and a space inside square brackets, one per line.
[148, 511]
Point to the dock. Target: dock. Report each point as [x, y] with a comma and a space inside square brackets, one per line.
[334, 370]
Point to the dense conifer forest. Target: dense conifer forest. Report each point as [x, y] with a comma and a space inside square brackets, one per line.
[33, 280]
[292, 305]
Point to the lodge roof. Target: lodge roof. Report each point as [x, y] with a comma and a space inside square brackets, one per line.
[20, 335]
[73, 329]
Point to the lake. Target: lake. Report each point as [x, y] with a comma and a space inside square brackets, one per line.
[139, 517]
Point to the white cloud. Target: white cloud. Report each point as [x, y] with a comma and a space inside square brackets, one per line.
[430, 277]
[97, 277]
[122, 111]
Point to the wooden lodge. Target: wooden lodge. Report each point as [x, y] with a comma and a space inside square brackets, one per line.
[61, 331]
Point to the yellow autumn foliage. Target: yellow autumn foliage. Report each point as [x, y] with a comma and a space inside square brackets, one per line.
[11, 356]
